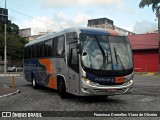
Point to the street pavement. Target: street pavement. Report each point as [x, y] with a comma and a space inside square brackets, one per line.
[6, 91]
[145, 97]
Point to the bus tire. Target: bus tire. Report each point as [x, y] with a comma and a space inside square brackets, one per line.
[34, 82]
[62, 89]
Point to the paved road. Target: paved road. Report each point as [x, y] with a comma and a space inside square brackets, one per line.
[145, 97]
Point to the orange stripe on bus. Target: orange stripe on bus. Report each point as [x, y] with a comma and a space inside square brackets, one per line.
[112, 32]
[49, 70]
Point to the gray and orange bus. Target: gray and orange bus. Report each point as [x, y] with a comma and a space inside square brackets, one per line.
[81, 61]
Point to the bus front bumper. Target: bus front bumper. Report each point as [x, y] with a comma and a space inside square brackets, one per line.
[108, 90]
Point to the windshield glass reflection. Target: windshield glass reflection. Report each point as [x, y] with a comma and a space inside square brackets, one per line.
[106, 52]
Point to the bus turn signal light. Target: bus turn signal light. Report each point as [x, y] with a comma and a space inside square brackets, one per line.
[119, 80]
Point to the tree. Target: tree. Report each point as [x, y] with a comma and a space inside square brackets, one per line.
[154, 3]
[15, 43]
[11, 28]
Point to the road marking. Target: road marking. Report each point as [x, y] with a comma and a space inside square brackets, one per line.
[2, 75]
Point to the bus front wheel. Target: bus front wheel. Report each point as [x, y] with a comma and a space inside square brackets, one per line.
[34, 84]
[62, 89]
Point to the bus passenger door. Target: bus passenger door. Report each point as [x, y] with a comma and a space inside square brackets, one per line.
[73, 63]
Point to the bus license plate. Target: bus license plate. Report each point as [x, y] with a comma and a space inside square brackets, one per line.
[111, 90]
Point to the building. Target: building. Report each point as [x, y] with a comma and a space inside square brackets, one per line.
[26, 33]
[107, 24]
[101, 23]
[145, 52]
[126, 32]
[34, 37]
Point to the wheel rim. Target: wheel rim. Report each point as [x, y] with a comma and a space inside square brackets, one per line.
[34, 82]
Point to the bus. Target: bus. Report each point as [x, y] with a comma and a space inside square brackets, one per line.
[81, 61]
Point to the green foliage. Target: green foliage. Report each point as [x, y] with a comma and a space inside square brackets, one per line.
[15, 43]
[11, 28]
[154, 3]
[143, 3]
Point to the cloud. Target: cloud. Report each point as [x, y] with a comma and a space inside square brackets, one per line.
[129, 28]
[144, 27]
[37, 25]
[81, 18]
[58, 22]
[71, 3]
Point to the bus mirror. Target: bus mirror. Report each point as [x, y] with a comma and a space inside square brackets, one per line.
[75, 37]
[78, 49]
[84, 54]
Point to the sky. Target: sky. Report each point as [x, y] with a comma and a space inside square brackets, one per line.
[56, 15]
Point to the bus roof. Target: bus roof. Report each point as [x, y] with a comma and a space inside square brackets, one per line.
[88, 30]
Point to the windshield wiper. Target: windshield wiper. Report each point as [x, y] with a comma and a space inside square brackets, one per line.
[103, 53]
[121, 63]
[115, 52]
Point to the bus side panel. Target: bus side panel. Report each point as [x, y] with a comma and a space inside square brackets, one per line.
[26, 70]
[30, 67]
[49, 69]
[46, 73]
[61, 69]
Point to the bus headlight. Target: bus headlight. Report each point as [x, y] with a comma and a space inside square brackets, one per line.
[129, 82]
[89, 82]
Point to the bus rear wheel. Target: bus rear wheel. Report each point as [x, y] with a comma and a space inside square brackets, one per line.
[62, 89]
[34, 83]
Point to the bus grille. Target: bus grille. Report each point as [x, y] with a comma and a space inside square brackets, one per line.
[109, 91]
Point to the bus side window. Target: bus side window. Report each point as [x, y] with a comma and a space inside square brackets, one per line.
[25, 53]
[29, 52]
[36, 51]
[37, 55]
[59, 46]
[48, 48]
[33, 50]
[39, 50]
[74, 60]
[70, 37]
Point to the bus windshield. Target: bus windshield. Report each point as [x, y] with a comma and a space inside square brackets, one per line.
[102, 52]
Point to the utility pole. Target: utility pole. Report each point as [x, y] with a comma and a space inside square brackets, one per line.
[159, 40]
[5, 45]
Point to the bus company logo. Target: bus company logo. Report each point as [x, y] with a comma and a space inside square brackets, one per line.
[6, 114]
[104, 79]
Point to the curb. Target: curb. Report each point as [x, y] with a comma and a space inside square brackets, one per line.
[11, 93]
